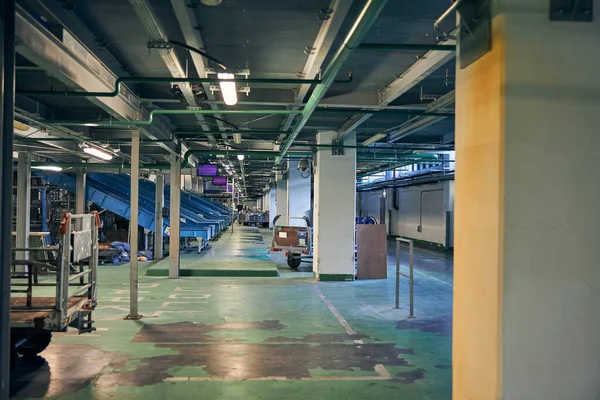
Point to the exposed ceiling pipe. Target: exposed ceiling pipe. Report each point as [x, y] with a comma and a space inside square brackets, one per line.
[406, 47]
[425, 66]
[199, 111]
[363, 23]
[419, 123]
[158, 79]
[155, 32]
[330, 28]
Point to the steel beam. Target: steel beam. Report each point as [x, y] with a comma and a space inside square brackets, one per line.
[175, 218]
[158, 217]
[23, 203]
[429, 63]
[188, 25]
[7, 114]
[416, 124]
[359, 29]
[319, 50]
[80, 192]
[71, 63]
[133, 225]
[157, 34]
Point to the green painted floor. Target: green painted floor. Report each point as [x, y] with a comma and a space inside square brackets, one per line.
[238, 253]
[255, 338]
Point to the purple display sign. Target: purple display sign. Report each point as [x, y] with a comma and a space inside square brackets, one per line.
[207, 170]
[219, 181]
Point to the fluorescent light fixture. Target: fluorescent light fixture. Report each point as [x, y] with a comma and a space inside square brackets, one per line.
[237, 138]
[228, 89]
[96, 152]
[211, 3]
[47, 168]
[90, 124]
[375, 138]
[240, 157]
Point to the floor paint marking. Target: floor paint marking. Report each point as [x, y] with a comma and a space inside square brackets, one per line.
[335, 312]
[435, 279]
[127, 291]
[359, 341]
[167, 304]
[204, 296]
[159, 313]
[101, 329]
[112, 308]
[382, 372]
[120, 299]
[180, 289]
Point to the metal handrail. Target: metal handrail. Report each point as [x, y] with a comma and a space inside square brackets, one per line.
[410, 276]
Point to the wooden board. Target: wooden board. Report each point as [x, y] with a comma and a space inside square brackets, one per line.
[20, 314]
[371, 247]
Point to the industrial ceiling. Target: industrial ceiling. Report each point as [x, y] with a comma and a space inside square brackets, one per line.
[280, 52]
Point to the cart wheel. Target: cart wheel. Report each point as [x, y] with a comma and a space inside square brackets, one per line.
[37, 341]
[294, 261]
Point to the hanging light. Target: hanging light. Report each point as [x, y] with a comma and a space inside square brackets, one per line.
[96, 152]
[54, 168]
[240, 157]
[228, 89]
[211, 3]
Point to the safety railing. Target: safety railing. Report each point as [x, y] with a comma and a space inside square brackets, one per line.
[410, 276]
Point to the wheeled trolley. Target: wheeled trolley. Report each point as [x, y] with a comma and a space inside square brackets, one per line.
[295, 240]
[65, 282]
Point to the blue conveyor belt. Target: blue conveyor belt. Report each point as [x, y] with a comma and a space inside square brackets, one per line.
[200, 217]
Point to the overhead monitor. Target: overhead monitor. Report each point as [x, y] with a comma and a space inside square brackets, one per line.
[209, 170]
[219, 181]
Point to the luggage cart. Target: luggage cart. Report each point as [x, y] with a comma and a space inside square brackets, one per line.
[296, 241]
[65, 285]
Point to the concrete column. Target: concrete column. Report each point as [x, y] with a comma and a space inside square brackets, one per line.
[158, 217]
[280, 196]
[80, 192]
[134, 225]
[272, 205]
[526, 271]
[174, 218]
[334, 210]
[298, 193]
[23, 205]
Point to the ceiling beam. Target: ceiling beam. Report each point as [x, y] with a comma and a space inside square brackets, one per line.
[70, 61]
[429, 63]
[188, 24]
[156, 34]
[319, 50]
[419, 123]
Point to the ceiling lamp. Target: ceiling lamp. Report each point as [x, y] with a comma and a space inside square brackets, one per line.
[237, 138]
[228, 89]
[96, 152]
[240, 157]
[211, 3]
[375, 138]
[54, 168]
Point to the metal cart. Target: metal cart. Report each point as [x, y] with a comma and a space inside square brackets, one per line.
[73, 275]
[296, 241]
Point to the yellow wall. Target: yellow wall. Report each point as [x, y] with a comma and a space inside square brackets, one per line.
[480, 112]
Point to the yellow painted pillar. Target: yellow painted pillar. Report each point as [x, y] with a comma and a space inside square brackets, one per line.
[527, 210]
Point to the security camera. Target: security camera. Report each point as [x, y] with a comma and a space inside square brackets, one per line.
[303, 165]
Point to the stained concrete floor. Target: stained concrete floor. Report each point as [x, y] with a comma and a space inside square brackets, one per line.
[284, 337]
